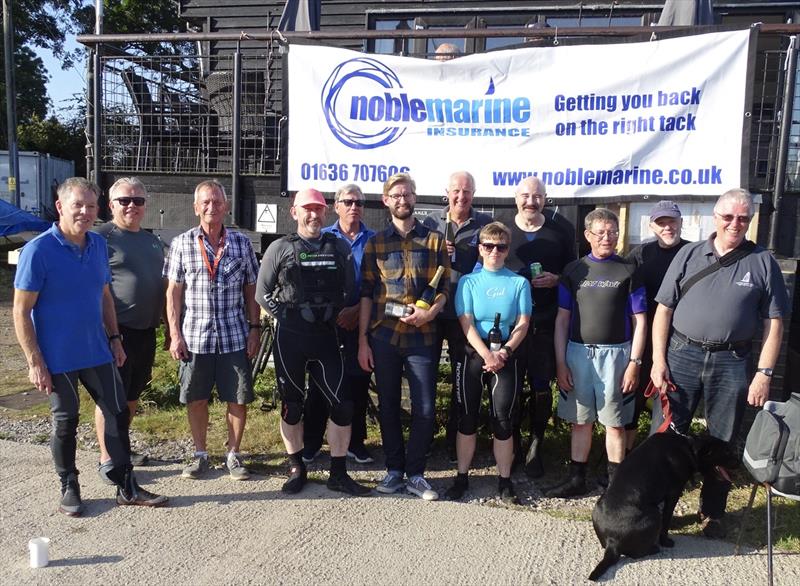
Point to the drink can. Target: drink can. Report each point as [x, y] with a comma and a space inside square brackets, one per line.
[536, 269]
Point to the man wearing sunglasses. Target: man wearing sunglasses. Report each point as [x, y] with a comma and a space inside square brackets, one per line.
[460, 223]
[703, 333]
[349, 207]
[136, 257]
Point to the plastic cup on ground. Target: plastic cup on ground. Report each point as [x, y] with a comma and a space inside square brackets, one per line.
[40, 551]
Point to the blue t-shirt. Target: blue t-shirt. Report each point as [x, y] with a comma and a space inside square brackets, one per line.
[68, 314]
[484, 293]
[357, 246]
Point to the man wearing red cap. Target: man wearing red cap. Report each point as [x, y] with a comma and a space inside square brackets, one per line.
[212, 274]
[303, 283]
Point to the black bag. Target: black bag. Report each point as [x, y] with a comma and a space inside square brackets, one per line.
[772, 449]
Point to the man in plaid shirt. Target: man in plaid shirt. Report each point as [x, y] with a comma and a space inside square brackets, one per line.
[214, 322]
[398, 263]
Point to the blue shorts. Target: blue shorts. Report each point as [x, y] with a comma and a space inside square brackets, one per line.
[597, 371]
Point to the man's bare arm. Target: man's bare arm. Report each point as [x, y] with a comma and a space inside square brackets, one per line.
[38, 373]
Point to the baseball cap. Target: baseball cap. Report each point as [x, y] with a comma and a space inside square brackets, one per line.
[309, 197]
[665, 209]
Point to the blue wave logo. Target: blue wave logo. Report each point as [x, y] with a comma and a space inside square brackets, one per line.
[361, 69]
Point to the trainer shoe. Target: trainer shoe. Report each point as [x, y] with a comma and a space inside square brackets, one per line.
[196, 469]
[419, 486]
[235, 467]
[103, 468]
[71, 504]
[297, 480]
[140, 497]
[139, 459]
[360, 454]
[390, 484]
[343, 483]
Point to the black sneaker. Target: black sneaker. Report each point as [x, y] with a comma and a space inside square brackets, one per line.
[71, 504]
[297, 480]
[360, 454]
[572, 486]
[456, 492]
[140, 498]
[508, 495]
[343, 483]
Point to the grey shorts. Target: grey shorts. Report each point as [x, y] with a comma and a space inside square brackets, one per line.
[597, 371]
[230, 372]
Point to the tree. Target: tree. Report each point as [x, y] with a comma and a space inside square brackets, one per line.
[60, 139]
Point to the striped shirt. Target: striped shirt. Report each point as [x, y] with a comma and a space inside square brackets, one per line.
[397, 268]
[214, 318]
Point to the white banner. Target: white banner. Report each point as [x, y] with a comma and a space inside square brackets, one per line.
[662, 118]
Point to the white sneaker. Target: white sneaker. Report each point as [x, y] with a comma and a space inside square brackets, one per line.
[419, 486]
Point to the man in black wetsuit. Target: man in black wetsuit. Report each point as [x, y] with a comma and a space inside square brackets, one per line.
[304, 281]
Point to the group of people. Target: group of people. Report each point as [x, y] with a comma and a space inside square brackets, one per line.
[513, 303]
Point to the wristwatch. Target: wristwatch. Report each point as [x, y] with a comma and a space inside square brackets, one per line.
[113, 337]
[636, 361]
[508, 349]
[765, 371]
[256, 326]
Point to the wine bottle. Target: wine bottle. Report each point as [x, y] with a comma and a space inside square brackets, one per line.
[449, 236]
[495, 335]
[428, 295]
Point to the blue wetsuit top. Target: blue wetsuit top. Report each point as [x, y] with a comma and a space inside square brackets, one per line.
[484, 293]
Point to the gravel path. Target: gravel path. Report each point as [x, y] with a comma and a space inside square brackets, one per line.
[220, 532]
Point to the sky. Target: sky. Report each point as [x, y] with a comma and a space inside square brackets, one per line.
[63, 83]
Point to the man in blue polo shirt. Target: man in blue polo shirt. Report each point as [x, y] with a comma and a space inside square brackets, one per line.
[66, 324]
[349, 206]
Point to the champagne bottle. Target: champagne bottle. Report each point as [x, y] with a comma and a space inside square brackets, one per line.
[449, 236]
[428, 295]
[495, 335]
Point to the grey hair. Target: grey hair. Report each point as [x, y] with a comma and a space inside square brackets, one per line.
[134, 182]
[466, 174]
[349, 188]
[76, 184]
[210, 184]
[737, 195]
[533, 179]
[600, 215]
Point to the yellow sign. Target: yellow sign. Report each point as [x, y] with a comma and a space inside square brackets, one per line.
[12, 183]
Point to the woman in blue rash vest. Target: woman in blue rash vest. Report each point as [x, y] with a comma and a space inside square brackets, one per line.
[480, 297]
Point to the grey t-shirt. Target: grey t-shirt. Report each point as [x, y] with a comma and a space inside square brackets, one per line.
[728, 305]
[136, 260]
[278, 255]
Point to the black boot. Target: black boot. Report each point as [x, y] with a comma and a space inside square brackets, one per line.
[541, 409]
[460, 486]
[131, 494]
[574, 485]
[71, 504]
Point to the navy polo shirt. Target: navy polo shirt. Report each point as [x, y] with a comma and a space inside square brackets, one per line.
[68, 314]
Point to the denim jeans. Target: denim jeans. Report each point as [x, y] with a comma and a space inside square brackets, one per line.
[722, 380]
[419, 365]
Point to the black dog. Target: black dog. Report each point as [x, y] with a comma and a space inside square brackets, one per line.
[632, 518]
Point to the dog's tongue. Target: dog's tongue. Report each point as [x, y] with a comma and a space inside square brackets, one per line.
[723, 473]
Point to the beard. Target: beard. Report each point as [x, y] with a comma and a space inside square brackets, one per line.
[402, 213]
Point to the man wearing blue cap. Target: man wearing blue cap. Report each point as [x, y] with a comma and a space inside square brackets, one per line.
[652, 258]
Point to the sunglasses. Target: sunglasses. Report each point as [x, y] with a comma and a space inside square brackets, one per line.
[730, 217]
[351, 202]
[490, 246]
[126, 201]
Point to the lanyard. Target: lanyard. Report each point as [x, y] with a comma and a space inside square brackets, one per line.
[212, 270]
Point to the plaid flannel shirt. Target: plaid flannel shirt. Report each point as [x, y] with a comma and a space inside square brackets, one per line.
[397, 268]
[214, 316]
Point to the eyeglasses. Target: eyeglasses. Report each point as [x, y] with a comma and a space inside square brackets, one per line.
[126, 201]
[490, 246]
[396, 196]
[610, 234]
[352, 202]
[728, 218]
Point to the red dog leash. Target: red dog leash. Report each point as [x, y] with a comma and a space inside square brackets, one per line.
[651, 390]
